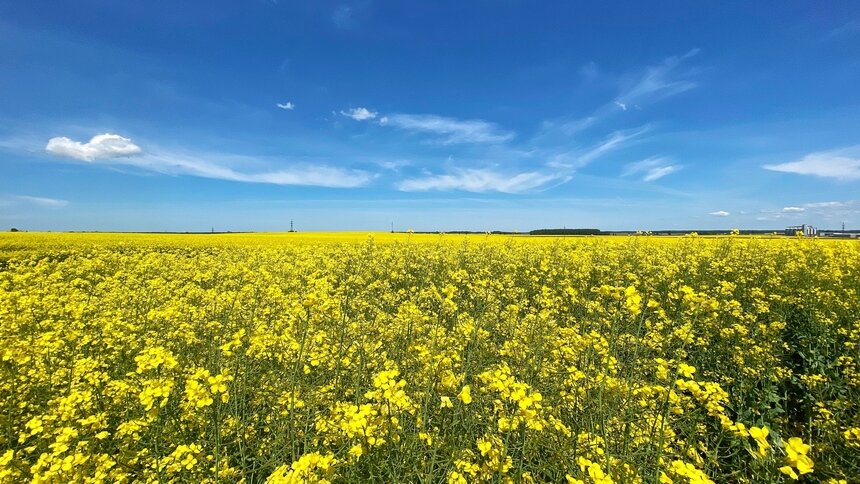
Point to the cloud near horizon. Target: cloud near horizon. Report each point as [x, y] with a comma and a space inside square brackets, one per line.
[842, 164]
[719, 213]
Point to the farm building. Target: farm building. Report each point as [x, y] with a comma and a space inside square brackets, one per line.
[806, 230]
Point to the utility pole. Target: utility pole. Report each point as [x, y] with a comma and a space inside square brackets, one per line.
[843, 226]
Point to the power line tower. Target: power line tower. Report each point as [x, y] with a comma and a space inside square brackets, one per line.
[291, 226]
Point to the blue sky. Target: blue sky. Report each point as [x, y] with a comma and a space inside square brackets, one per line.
[485, 115]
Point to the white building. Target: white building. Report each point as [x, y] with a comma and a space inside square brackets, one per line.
[806, 230]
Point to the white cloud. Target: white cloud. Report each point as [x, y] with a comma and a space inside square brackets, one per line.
[793, 210]
[651, 168]
[287, 105]
[481, 180]
[43, 201]
[843, 164]
[359, 114]
[454, 131]
[103, 146]
[621, 105]
[719, 213]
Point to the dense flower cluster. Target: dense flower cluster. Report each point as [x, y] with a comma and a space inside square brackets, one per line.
[407, 358]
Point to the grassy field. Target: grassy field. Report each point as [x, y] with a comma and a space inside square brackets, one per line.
[428, 358]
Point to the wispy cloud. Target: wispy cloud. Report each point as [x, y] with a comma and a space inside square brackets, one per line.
[569, 127]
[116, 150]
[359, 114]
[554, 144]
[42, 201]
[655, 83]
[658, 82]
[612, 142]
[793, 209]
[343, 17]
[827, 204]
[842, 164]
[651, 168]
[222, 168]
[719, 213]
[452, 131]
[589, 71]
[482, 180]
[289, 106]
[394, 165]
[840, 208]
[660, 172]
[571, 160]
[850, 28]
[103, 146]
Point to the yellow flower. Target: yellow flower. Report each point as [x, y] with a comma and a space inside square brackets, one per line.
[787, 470]
[686, 370]
[465, 395]
[484, 446]
[760, 435]
[804, 464]
[796, 456]
[795, 447]
[456, 478]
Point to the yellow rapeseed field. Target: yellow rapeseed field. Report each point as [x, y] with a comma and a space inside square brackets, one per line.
[428, 358]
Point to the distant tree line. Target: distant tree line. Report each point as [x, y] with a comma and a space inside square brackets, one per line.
[565, 232]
